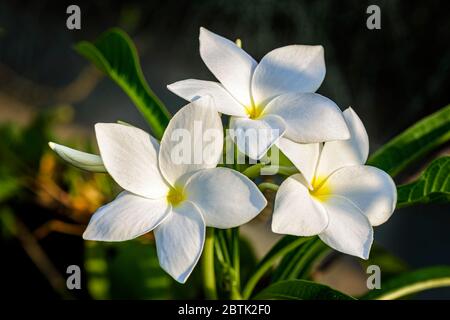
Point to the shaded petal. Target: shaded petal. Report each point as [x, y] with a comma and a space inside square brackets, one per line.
[289, 69]
[342, 153]
[370, 189]
[296, 212]
[348, 231]
[309, 117]
[79, 159]
[193, 140]
[225, 197]
[131, 157]
[255, 137]
[303, 155]
[125, 218]
[192, 89]
[179, 241]
[231, 65]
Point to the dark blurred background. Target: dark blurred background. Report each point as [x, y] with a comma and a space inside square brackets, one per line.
[392, 77]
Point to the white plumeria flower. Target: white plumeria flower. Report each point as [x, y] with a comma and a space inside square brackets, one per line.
[176, 200]
[335, 196]
[272, 98]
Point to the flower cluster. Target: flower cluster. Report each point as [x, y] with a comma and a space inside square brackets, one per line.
[333, 195]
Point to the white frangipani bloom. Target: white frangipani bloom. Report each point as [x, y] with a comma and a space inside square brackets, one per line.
[335, 196]
[276, 94]
[176, 200]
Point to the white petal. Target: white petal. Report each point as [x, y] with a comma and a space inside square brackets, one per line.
[179, 241]
[370, 189]
[225, 197]
[303, 155]
[348, 231]
[193, 89]
[255, 137]
[338, 154]
[79, 159]
[296, 212]
[125, 218]
[290, 69]
[193, 140]
[231, 65]
[131, 157]
[309, 117]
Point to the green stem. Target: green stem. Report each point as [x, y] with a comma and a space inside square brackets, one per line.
[222, 241]
[268, 186]
[236, 279]
[253, 171]
[268, 262]
[287, 171]
[209, 275]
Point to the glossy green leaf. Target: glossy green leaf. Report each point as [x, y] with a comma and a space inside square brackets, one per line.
[414, 143]
[411, 282]
[115, 55]
[432, 186]
[301, 290]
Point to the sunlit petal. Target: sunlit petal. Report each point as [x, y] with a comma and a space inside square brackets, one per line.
[353, 151]
[193, 140]
[370, 189]
[179, 241]
[309, 117]
[131, 157]
[290, 69]
[231, 65]
[226, 198]
[348, 231]
[193, 89]
[255, 137]
[125, 218]
[296, 212]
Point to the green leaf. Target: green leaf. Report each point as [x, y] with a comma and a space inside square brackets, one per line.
[432, 186]
[299, 263]
[412, 282]
[414, 143]
[127, 270]
[301, 290]
[278, 251]
[115, 55]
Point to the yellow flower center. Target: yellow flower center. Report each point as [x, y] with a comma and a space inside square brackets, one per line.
[175, 196]
[254, 112]
[321, 190]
